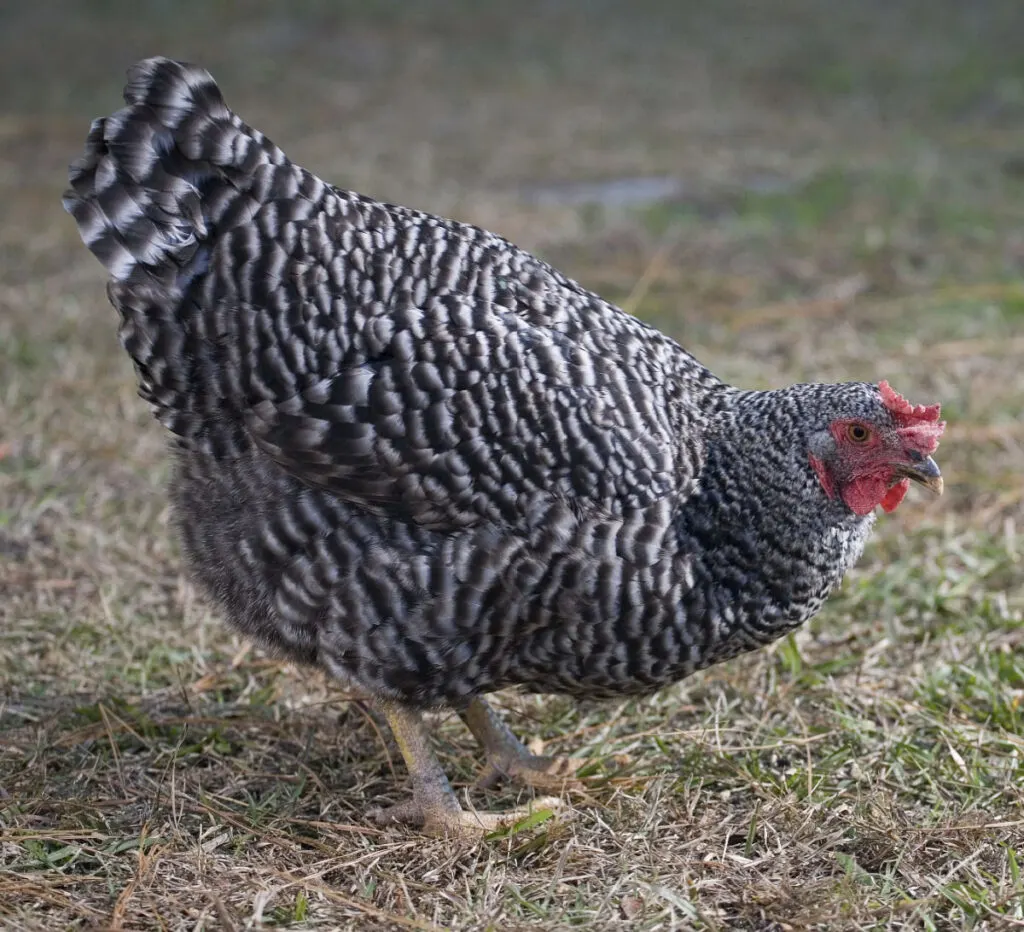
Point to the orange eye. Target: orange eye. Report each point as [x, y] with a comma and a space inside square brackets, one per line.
[858, 433]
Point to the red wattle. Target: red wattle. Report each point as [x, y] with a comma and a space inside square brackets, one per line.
[895, 495]
[863, 495]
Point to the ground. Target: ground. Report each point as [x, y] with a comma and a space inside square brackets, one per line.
[797, 190]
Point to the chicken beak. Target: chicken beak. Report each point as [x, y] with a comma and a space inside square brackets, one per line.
[924, 472]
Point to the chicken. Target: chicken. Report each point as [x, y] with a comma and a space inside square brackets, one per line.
[413, 454]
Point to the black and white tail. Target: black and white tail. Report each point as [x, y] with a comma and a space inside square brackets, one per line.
[158, 175]
[160, 183]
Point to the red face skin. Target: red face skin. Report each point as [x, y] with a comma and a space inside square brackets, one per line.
[866, 469]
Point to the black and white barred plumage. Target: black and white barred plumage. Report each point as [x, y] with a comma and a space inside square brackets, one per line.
[417, 455]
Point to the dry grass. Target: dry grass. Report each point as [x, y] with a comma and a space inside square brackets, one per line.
[851, 208]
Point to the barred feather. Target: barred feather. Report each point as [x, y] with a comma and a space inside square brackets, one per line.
[414, 453]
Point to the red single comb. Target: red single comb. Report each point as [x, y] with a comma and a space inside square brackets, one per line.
[919, 425]
[903, 410]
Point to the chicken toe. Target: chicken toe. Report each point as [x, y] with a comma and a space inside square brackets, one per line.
[433, 806]
[509, 759]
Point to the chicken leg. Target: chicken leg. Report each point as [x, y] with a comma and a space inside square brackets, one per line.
[434, 806]
[509, 759]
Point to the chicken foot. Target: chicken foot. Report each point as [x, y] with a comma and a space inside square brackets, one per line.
[509, 759]
[434, 807]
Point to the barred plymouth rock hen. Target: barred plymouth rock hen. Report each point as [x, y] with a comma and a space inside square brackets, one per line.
[414, 454]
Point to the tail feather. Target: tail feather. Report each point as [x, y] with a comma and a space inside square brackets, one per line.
[159, 182]
[140, 192]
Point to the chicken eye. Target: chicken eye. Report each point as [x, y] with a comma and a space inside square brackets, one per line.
[858, 433]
